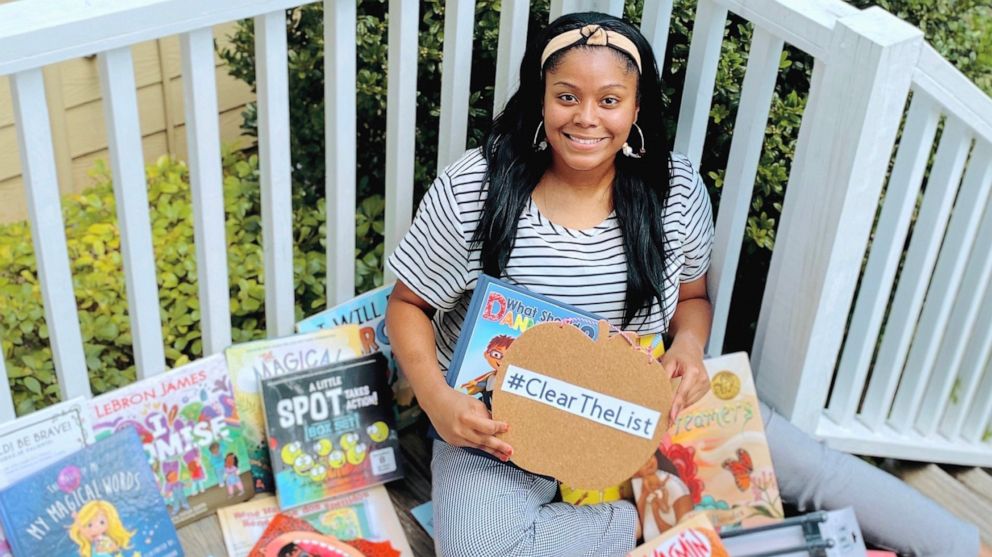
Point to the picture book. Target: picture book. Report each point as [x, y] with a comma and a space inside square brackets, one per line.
[290, 536]
[498, 313]
[366, 514]
[716, 455]
[331, 430]
[368, 311]
[189, 426]
[100, 500]
[694, 536]
[248, 362]
[40, 438]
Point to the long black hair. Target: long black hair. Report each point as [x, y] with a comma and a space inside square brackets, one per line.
[640, 186]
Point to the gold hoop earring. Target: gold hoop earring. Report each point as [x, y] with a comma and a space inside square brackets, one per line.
[628, 151]
[543, 144]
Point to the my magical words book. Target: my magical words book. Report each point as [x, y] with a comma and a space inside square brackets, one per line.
[250, 361]
[716, 453]
[368, 311]
[331, 430]
[101, 500]
[189, 426]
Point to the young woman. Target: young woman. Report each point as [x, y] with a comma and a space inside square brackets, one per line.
[575, 196]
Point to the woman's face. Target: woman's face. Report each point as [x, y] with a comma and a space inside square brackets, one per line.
[590, 103]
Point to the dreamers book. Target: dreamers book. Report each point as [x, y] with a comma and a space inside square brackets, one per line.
[366, 514]
[189, 426]
[248, 362]
[101, 500]
[331, 430]
[368, 311]
[716, 454]
[40, 438]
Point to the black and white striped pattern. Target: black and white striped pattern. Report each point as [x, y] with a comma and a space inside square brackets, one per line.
[586, 268]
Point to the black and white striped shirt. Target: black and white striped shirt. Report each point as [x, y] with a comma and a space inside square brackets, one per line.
[585, 268]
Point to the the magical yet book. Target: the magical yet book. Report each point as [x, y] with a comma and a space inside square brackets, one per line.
[367, 515]
[331, 431]
[189, 426]
[715, 455]
[101, 500]
[40, 438]
[368, 311]
[694, 536]
[250, 361]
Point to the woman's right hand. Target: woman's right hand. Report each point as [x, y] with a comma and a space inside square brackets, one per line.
[464, 421]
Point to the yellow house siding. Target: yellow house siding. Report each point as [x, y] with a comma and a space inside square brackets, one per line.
[77, 121]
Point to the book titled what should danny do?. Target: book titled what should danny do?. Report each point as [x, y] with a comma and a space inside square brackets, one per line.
[101, 500]
[331, 431]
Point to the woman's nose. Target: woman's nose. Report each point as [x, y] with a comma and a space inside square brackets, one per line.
[585, 114]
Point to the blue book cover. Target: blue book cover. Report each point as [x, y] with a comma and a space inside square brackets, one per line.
[368, 311]
[101, 501]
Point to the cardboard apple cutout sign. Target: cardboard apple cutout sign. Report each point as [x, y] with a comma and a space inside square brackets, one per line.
[588, 413]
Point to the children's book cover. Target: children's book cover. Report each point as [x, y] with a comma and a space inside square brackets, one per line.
[331, 430]
[498, 313]
[189, 426]
[694, 536]
[716, 455]
[366, 514]
[368, 311]
[250, 361]
[294, 537]
[99, 501]
[40, 438]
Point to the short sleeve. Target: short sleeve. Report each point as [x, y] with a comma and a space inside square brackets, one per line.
[697, 243]
[432, 258]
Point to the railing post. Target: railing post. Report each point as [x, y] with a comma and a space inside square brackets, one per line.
[827, 215]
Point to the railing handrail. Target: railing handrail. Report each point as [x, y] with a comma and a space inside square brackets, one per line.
[35, 33]
[952, 89]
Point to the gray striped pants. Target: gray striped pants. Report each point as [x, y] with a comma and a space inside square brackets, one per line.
[483, 507]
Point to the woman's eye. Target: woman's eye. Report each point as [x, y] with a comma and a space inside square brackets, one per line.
[567, 97]
[610, 101]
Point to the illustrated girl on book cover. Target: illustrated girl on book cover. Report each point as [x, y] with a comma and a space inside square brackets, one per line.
[98, 531]
[662, 497]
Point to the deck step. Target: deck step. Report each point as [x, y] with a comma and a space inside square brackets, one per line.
[959, 498]
[977, 479]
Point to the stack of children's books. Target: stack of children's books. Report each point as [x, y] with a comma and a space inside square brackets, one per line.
[310, 418]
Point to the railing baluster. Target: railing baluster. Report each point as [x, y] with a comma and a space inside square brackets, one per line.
[961, 415]
[655, 21]
[697, 94]
[274, 170]
[915, 277]
[34, 139]
[883, 261]
[401, 119]
[973, 428]
[956, 291]
[7, 411]
[742, 166]
[513, 19]
[131, 195]
[340, 137]
[206, 187]
[456, 75]
[561, 7]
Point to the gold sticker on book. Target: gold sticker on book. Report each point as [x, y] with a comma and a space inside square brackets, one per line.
[726, 385]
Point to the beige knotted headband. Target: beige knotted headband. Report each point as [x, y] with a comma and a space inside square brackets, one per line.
[592, 35]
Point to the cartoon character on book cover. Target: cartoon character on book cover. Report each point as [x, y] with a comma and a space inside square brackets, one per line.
[251, 361]
[191, 431]
[99, 502]
[331, 431]
[368, 311]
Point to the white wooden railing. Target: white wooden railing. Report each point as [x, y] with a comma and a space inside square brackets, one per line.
[882, 391]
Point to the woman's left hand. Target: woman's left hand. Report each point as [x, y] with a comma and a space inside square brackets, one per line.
[685, 360]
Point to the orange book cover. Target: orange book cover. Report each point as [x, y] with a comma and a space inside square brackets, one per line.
[694, 535]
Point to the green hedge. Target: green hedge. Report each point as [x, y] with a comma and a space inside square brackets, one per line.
[93, 242]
